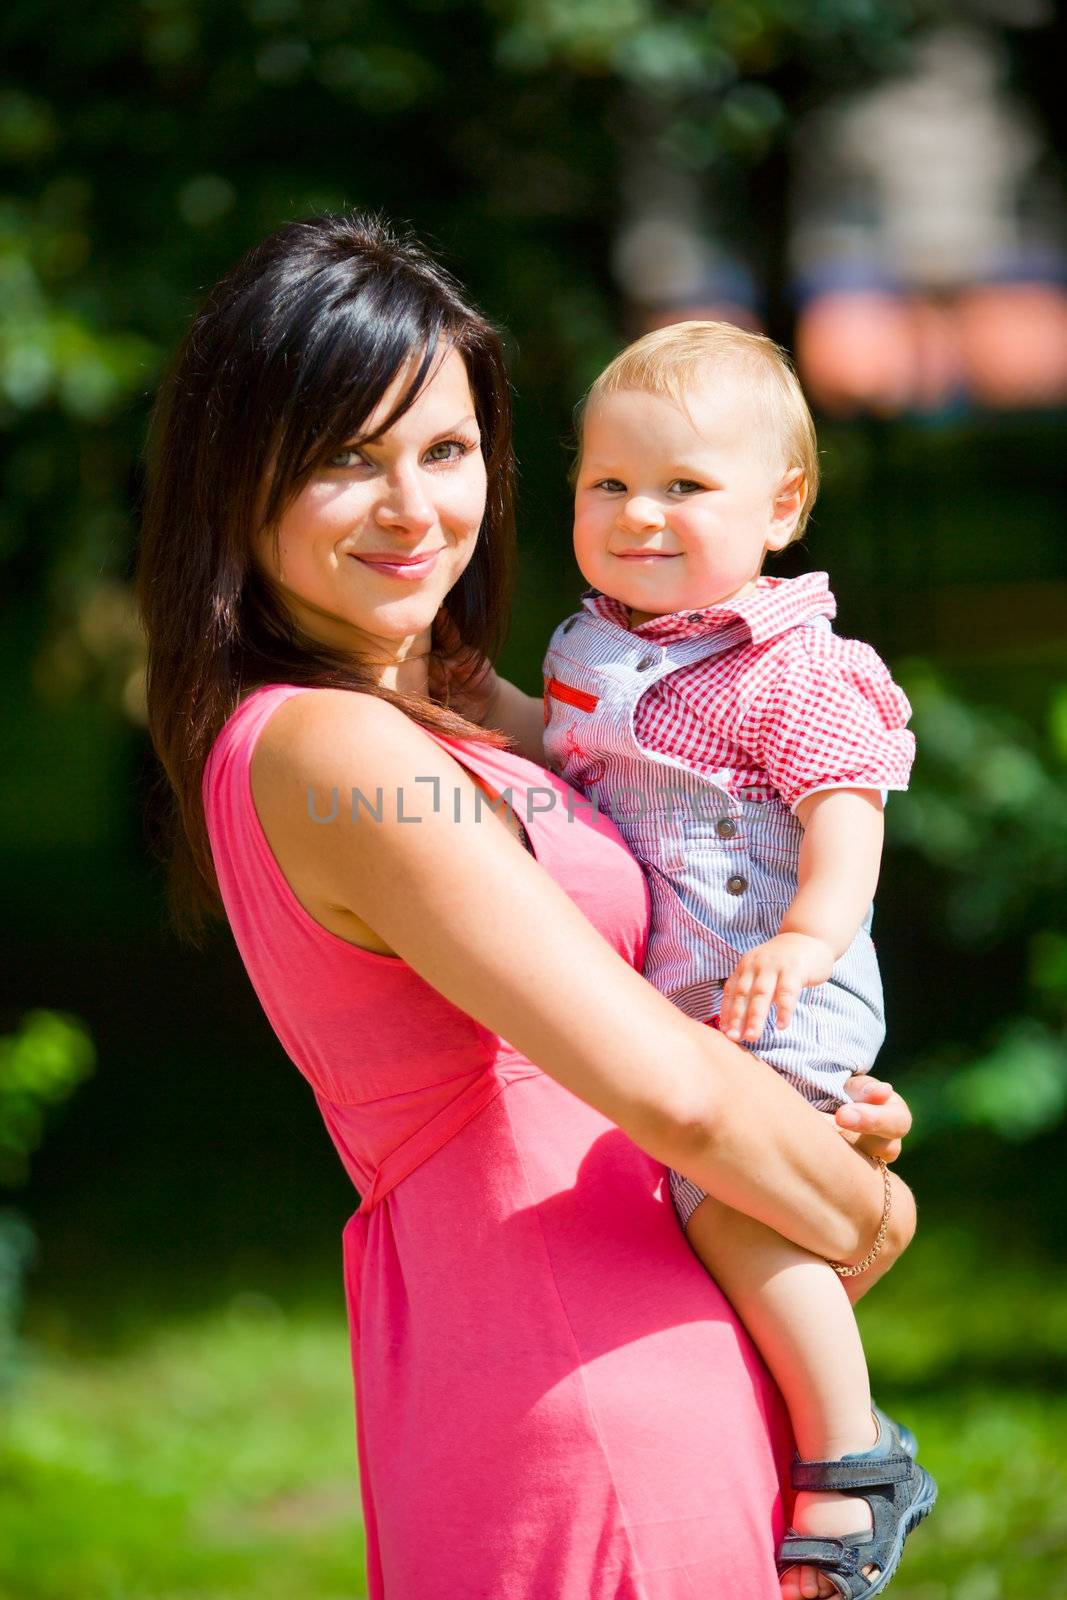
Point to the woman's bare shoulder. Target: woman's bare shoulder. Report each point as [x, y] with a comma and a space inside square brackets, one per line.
[314, 752]
[334, 735]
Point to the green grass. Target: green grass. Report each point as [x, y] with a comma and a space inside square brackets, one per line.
[215, 1461]
[999, 1530]
[213, 1458]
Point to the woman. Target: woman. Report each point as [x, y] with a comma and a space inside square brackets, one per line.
[554, 1400]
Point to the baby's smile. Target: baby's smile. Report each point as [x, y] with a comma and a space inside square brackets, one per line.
[690, 482]
[646, 555]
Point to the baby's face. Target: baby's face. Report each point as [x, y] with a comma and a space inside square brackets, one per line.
[675, 509]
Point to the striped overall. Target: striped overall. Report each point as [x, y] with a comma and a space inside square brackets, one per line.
[721, 867]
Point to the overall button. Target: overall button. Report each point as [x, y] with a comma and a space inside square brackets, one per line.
[726, 827]
[694, 616]
[736, 884]
[646, 662]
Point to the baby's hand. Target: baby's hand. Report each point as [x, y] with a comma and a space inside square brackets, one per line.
[772, 974]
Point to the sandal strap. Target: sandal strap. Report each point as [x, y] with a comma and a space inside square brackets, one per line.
[866, 1473]
[798, 1549]
[896, 1509]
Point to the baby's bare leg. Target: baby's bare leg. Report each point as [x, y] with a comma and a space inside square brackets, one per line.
[795, 1307]
[798, 1312]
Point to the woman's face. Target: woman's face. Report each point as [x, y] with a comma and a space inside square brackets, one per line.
[374, 541]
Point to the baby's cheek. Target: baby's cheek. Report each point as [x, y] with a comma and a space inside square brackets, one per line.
[589, 559]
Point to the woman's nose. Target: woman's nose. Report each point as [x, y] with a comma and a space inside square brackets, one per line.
[640, 513]
[405, 505]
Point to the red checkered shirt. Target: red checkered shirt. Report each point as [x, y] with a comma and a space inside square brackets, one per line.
[787, 710]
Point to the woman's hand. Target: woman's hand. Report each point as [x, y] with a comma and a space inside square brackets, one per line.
[876, 1119]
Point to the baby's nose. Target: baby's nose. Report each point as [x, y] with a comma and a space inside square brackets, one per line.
[639, 512]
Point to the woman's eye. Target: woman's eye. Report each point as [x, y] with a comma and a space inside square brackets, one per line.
[349, 457]
[449, 450]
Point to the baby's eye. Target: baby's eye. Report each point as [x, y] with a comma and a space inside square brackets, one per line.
[611, 485]
[687, 486]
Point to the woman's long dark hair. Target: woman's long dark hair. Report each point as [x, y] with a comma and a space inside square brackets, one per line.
[290, 353]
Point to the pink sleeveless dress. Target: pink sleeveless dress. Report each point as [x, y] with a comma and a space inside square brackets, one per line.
[553, 1400]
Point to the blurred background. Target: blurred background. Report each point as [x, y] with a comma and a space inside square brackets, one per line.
[880, 185]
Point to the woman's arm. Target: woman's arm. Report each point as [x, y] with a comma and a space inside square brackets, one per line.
[475, 915]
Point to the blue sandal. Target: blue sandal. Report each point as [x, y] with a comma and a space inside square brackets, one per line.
[900, 1494]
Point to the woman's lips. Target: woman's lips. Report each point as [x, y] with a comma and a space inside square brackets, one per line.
[405, 567]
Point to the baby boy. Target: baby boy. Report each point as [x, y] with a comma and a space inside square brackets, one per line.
[745, 751]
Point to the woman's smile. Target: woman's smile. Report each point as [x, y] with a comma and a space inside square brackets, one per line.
[406, 568]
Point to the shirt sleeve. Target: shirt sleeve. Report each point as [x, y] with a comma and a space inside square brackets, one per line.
[826, 714]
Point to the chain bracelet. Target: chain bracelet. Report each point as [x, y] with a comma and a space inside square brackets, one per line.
[879, 1238]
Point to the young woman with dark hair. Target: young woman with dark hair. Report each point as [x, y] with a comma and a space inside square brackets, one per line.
[554, 1400]
[298, 342]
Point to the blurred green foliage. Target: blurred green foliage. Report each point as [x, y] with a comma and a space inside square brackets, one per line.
[988, 810]
[39, 1065]
[991, 809]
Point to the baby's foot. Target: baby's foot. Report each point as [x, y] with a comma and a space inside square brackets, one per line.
[824, 1516]
[886, 1472]
[828, 1515]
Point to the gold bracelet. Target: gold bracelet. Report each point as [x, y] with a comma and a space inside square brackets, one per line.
[879, 1238]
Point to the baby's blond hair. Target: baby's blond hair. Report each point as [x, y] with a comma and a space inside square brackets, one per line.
[670, 360]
